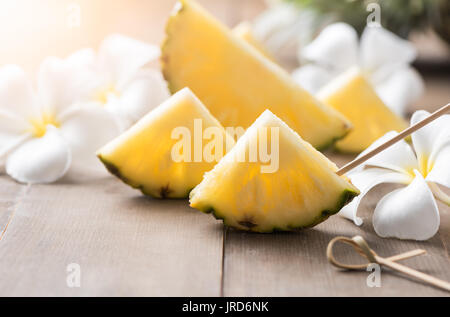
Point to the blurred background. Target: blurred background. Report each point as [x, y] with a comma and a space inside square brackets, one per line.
[33, 29]
[30, 30]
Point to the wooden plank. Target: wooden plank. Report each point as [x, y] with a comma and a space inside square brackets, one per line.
[445, 225]
[125, 244]
[294, 264]
[10, 193]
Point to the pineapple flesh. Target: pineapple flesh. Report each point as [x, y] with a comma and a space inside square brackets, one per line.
[353, 96]
[236, 82]
[142, 156]
[303, 191]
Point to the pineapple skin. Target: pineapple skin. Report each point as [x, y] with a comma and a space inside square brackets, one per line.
[163, 193]
[345, 198]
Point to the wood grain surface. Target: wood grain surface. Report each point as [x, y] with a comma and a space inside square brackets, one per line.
[294, 264]
[130, 245]
[125, 244]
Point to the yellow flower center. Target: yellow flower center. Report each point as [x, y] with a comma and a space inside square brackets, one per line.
[424, 166]
[410, 172]
[39, 124]
[103, 94]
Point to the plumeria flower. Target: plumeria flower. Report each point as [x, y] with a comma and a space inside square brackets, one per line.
[382, 55]
[284, 27]
[121, 83]
[48, 133]
[410, 212]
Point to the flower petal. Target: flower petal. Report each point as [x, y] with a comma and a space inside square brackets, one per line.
[116, 108]
[16, 92]
[276, 18]
[366, 180]
[398, 157]
[40, 160]
[143, 93]
[335, 47]
[9, 144]
[86, 129]
[439, 193]
[61, 84]
[408, 213]
[429, 140]
[440, 170]
[282, 28]
[401, 89]
[382, 48]
[120, 57]
[11, 125]
[83, 58]
[312, 77]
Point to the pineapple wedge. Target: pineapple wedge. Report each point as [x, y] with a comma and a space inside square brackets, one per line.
[236, 82]
[143, 156]
[353, 96]
[303, 191]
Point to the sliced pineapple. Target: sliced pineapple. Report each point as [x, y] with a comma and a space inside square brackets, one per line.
[244, 31]
[353, 96]
[236, 82]
[150, 157]
[303, 191]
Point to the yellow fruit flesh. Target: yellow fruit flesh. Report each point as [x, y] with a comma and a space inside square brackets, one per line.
[353, 96]
[142, 156]
[304, 191]
[236, 82]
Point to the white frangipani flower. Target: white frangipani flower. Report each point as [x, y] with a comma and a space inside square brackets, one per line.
[284, 27]
[121, 82]
[382, 55]
[43, 135]
[410, 212]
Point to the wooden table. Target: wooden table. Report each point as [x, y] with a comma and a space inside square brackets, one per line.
[130, 245]
[127, 244]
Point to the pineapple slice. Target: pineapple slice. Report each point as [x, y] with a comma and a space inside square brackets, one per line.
[236, 82]
[142, 156]
[302, 191]
[244, 31]
[353, 96]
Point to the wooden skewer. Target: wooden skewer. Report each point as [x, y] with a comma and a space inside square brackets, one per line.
[365, 253]
[406, 255]
[358, 161]
[411, 272]
[361, 246]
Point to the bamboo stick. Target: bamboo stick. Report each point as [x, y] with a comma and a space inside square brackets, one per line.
[358, 161]
[416, 274]
[361, 246]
